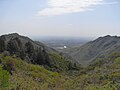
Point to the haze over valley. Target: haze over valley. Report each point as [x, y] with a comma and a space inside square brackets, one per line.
[59, 45]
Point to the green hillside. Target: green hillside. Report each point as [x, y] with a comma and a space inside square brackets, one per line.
[19, 75]
[101, 47]
[102, 74]
[30, 65]
[34, 52]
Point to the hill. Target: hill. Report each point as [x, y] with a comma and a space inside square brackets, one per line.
[33, 52]
[52, 71]
[101, 47]
[101, 74]
[16, 74]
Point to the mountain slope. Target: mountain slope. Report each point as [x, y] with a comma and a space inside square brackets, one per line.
[101, 74]
[33, 52]
[100, 47]
[16, 74]
[24, 48]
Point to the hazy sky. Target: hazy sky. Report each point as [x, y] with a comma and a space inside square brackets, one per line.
[81, 18]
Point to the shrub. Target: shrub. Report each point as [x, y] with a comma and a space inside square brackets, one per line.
[4, 78]
[114, 55]
[9, 65]
[118, 60]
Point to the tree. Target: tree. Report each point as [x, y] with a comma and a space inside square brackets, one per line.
[14, 45]
[2, 44]
[42, 57]
[29, 47]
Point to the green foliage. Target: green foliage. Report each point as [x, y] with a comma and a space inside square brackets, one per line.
[117, 60]
[100, 75]
[42, 57]
[32, 52]
[4, 78]
[8, 64]
[114, 55]
[50, 71]
[28, 76]
[98, 87]
[59, 63]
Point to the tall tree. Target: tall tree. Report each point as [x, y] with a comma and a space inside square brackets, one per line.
[2, 44]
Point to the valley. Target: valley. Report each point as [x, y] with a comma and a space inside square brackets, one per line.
[33, 65]
[59, 44]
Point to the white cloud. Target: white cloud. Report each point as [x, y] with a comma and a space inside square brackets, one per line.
[59, 7]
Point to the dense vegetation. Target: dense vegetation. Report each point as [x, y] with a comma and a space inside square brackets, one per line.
[27, 65]
[102, 74]
[25, 76]
[34, 52]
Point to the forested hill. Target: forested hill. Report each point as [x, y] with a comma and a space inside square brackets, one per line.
[33, 52]
[101, 47]
[27, 65]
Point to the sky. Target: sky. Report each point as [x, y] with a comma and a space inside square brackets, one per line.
[62, 18]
